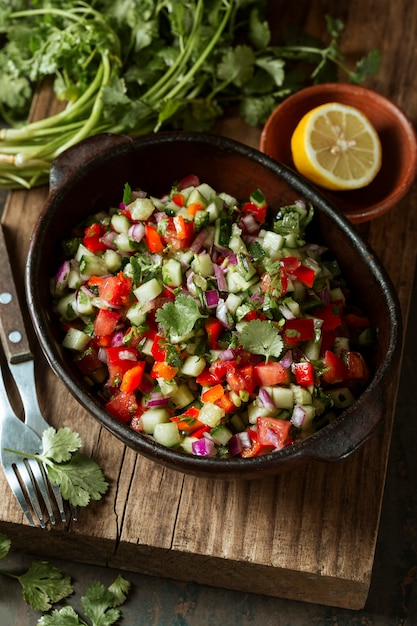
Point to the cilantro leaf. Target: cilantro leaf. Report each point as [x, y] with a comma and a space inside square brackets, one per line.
[80, 479]
[59, 445]
[4, 545]
[62, 617]
[44, 584]
[261, 337]
[98, 605]
[179, 317]
[120, 587]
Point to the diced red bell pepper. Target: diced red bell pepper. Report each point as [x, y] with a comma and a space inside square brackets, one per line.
[178, 199]
[256, 448]
[331, 316]
[271, 373]
[226, 403]
[304, 373]
[158, 349]
[132, 377]
[213, 329]
[105, 322]
[188, 421]
[258, 211]
[213, 393]
[220, 368]
[162, 369]
[92, 238]
[119, 360]
[272, 431]
[305, 275]
[298, 330]
[115, 289]
[336, 371]
[153, 240]
[123, 406]
[290, 263]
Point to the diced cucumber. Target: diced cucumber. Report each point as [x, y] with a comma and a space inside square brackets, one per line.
[221, 435]
[202, 264]
[312, 349]
[66, 307]
[223, 232]
[206, 191]
[120, 223]
[123, 242]
[141, 209]
[76, 339]
[337, 295]
[228, 200]
[310, 412]
[152, 417]
[233, 301]
[135, 314]
[201, 219]
[84, 303]
[167, 434]
[196, 197]
[341, 344]
[272, 244]
[168, 387]
[301, 395]
[342, 397]
[193, 365]
[211, 414]
[182, 397]
[214, 209]
[187, 444]
[82, 251]
[256, 410]
[112, 259]
[282, 397]
[148, 291]
[245, 267]
[93, 265]
[74, 279]
[172, 272]
[235, 281]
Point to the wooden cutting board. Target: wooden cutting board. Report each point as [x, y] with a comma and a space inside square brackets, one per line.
[307, 535]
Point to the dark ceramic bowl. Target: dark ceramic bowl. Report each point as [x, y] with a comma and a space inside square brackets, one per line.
[90, 176]
[396, 132]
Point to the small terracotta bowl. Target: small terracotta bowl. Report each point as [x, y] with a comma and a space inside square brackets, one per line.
[397, 135]
[89, 177]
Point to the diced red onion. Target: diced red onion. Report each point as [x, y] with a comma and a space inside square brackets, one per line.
[108, 239]
[221, 313]
[102, 355]
[287, 359]
[199, 240]
[203, 447]
[117, 339]
[138, 194]
[265, 400]
[245, 439]
[298, 416]
[235, 445]
[127, 355]
[137, 231]
[212, 298]
[220, 277]
[61, 279]
[251, 225]
[227, 355]
[157, 402]
[286, 312]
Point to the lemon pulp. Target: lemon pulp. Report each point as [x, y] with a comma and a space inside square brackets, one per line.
[336, 146]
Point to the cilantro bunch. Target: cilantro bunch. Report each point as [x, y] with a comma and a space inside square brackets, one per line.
[136, 66]
[44, 585]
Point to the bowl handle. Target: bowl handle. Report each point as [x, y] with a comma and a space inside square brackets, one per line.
[69, 162]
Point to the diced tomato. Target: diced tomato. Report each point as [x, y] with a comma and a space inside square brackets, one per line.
[105, 322]
[90, 365]
[298, 330]
[123, 406]
[92, 238]
[213, 329]
[258, 212]
[330, 314]
[256, 448]
[177, 232]
[153, 240]
[272, 431]
[115, 289]
[357, 368]
[336, 371]
[271, 373]
[132, 377]
[119, 360]
[254, 315]
[290, 263]
[304, 373]
[241, 379]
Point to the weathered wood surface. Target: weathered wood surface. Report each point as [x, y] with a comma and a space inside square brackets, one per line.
[307, 535]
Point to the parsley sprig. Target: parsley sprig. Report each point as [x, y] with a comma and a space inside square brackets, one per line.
[78, 476]
[133, 66]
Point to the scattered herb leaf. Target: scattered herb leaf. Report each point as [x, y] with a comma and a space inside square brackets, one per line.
[261, 337]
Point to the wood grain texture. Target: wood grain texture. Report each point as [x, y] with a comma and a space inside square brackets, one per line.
[308, 535]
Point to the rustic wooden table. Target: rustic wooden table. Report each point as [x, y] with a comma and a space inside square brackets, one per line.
[289, 550]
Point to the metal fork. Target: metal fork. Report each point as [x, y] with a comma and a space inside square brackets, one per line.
[21, 365]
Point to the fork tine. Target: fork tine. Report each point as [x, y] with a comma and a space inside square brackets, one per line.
[40, 482]
[56, 491]
[16, 487]
[24, 470]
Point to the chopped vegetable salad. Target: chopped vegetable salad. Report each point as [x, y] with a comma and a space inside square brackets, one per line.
[208, 325]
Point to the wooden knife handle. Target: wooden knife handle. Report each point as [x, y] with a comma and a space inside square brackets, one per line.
[13, 331]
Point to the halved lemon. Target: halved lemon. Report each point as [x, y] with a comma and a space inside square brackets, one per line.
[336, 146]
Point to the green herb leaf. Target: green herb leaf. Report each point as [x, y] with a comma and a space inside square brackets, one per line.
[59, 445]
[61, 617]
[80, 479]
[262, 337]
[4, 545]
[178, 318]
[44, 584]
